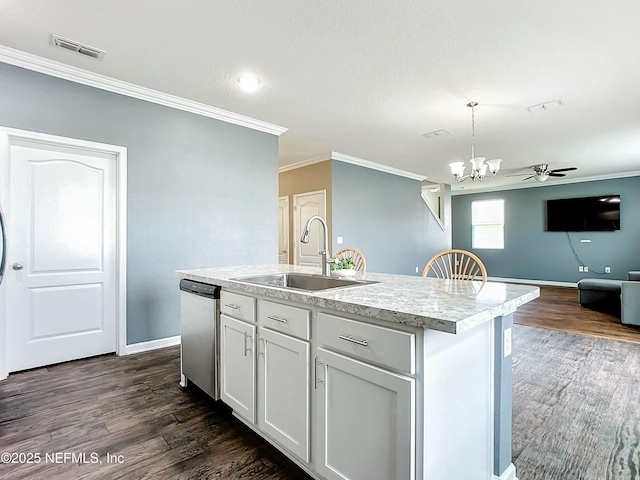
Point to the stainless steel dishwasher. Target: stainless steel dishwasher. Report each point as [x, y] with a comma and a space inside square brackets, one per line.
[199, 326]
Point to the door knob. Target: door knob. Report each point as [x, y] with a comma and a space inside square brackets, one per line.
[18, 266]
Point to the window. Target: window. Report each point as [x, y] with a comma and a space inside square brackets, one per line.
[487, 224]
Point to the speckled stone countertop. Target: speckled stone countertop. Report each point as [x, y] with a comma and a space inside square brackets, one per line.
[452, 306]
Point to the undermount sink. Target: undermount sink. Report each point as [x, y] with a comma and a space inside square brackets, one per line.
[302, 281]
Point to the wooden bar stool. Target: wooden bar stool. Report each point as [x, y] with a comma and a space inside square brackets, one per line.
[457, 265]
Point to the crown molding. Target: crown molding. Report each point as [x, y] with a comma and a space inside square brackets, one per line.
[340, 157]
[52, 68]
[593, 178]
[304, 163]
[376, 166]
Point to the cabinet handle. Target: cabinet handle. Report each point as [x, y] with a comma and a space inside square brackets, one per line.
[277, 319]
[260, 339]
[349, 338]
[317, 380]
[245, 343]
[232, 306]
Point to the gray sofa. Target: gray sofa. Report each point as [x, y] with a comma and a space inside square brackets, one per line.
[598, 291]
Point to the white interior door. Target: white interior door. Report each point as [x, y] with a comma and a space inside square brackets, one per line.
[283, 230]
[61, 289]
[305, 205]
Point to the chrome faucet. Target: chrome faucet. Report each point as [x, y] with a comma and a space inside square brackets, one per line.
[326, 259]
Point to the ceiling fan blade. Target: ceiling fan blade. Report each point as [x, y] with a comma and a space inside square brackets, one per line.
[528, 178]
[553, 174]
[517, 174]
[563, 169]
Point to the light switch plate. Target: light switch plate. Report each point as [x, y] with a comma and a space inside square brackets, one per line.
[339, 240]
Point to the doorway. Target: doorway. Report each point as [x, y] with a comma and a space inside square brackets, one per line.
[283, 230]
[306, 205]
[63, 292]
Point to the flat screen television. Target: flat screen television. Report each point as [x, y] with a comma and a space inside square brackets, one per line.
[588, 214]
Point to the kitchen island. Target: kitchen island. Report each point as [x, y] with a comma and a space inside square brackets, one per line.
[405, 378]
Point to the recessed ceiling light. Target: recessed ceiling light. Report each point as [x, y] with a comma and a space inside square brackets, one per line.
[248, 82]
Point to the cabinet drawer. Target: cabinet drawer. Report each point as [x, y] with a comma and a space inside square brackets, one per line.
[293, 321]
[238, 306]
[381, 345]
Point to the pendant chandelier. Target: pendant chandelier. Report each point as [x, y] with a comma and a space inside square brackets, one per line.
[479, 165]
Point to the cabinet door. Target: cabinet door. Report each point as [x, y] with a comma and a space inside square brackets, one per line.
[283, 399]
[237, 365]
[365, 421]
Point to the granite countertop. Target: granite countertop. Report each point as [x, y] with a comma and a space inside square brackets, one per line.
[452, 306]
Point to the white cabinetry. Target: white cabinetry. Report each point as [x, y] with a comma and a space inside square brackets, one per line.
[366, 415]
[237, 360]
[364, 400]
[283, 373]
[283, 376]
[277, 400]
[237, 354]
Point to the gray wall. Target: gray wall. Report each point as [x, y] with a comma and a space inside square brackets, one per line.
[384, 216]
[201, 192]
[532, 253]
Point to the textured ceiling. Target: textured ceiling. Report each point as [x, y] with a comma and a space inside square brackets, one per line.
[368, 79]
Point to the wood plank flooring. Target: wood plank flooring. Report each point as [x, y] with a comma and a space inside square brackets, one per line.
[130, 407]
[558, 309]
[576, 408]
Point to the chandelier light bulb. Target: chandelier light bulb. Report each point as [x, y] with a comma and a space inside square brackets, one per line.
[457, 169]
[494, 165]
[477, 163]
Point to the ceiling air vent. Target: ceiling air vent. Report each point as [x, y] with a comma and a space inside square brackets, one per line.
[436, 133]
[545, 106]
[58, 41]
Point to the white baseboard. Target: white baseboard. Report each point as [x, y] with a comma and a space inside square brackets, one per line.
[508, 474]
[534, 282]
[152, 345]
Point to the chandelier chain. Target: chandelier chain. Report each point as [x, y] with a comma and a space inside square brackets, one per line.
[473, 133]
[478, 166]
[473, 128]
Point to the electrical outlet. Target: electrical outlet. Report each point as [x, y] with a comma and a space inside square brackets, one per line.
[607, 269]
[581, 268]
[339, 240]
[507, 342]
[586, 269]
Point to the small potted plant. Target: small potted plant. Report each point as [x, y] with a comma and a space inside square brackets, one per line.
[343, 267]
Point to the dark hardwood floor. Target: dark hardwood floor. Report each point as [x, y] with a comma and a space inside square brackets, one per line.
[558, 309]
[576, 399]
[132, 409]
[576, 406]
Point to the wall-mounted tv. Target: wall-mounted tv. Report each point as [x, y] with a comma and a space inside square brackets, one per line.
[588, 214]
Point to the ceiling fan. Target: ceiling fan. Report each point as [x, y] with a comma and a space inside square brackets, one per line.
[541, 172]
